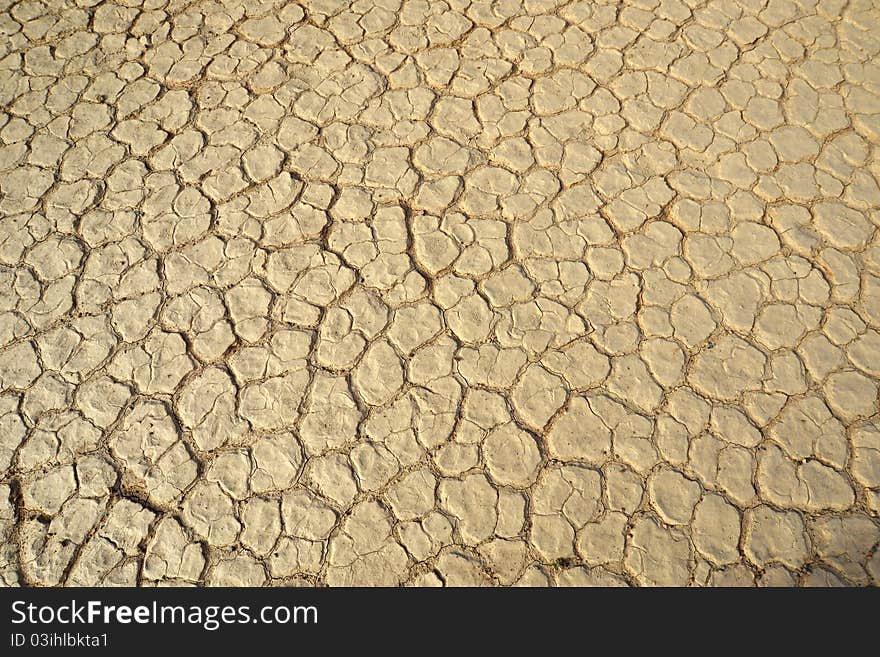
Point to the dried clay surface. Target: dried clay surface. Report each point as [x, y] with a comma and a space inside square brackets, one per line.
[439, 292]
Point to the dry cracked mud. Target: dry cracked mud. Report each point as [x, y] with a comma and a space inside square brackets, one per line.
[423, 292]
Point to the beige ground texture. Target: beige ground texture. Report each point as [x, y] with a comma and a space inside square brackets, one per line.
[425, 293]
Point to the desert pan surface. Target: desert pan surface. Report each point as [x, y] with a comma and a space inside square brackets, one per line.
[416, 292]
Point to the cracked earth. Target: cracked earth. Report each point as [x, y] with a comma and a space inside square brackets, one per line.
[377, 293]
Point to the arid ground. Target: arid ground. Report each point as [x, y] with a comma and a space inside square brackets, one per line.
[439, 293]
